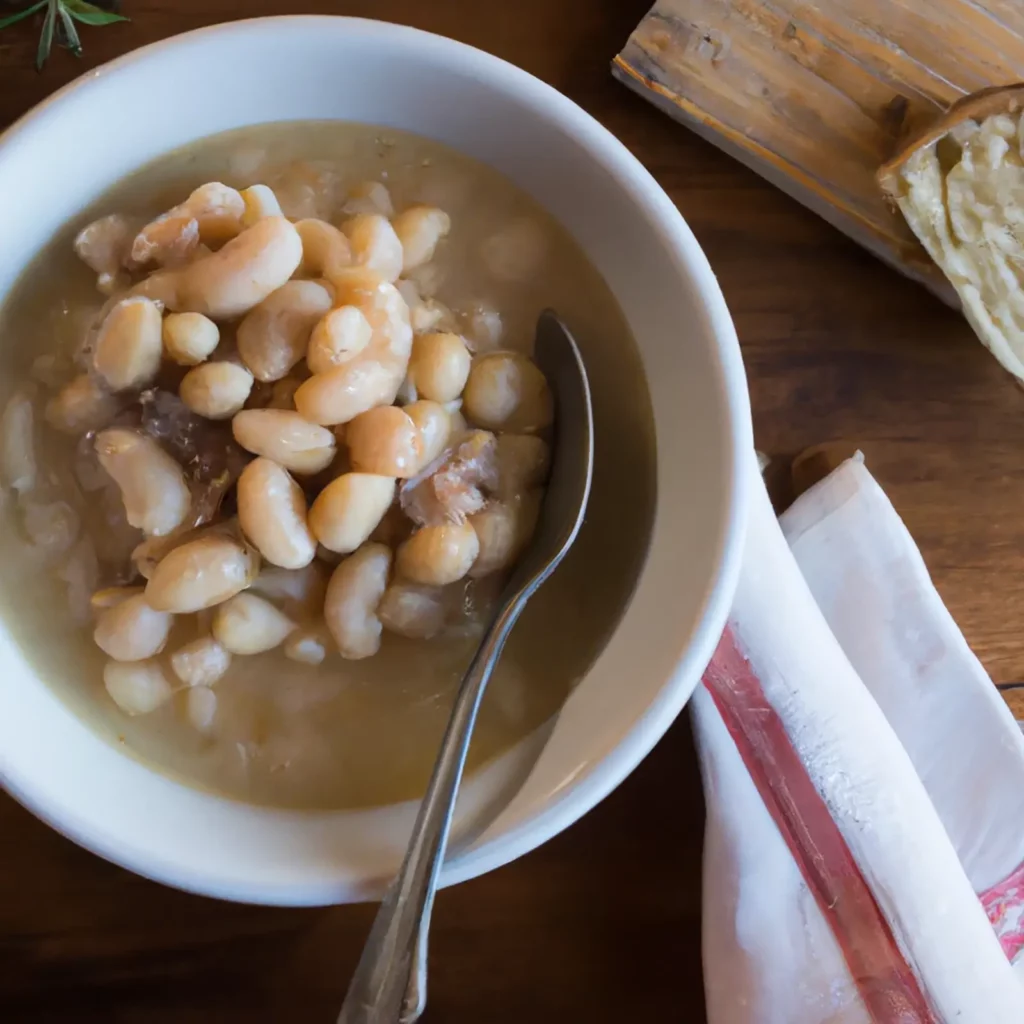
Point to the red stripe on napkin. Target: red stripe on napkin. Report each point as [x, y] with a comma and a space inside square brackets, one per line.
[886, 981]
[1004, 904]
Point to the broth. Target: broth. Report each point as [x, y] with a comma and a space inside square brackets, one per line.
[345, 734]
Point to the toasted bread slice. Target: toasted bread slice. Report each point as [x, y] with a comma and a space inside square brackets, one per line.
[960, 187]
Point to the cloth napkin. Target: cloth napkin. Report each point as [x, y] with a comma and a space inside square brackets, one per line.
[864, 852]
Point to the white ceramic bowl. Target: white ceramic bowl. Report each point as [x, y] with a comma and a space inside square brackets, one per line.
[67, 151]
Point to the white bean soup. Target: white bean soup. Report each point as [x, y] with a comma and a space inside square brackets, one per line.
[272, 441]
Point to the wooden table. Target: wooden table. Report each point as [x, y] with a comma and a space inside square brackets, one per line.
[603, 923]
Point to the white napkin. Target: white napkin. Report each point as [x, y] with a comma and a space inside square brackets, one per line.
[864, 784]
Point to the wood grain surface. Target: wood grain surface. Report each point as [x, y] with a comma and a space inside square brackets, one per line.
[817, 95]
[602, 924]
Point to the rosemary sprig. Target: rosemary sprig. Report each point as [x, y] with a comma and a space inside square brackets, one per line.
[59, 22]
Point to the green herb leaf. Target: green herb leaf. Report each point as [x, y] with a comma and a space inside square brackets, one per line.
[46, 39]
[11, 19]
[71, 40]
[90, 14]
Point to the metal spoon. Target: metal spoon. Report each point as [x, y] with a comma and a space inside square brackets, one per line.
[389, 985]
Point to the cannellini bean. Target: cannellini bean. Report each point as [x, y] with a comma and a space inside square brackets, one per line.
[129, 346]
[286, 437]
[337, 338]
[80, 406]
[375, 375]
[104, 246]
[154, 491]
[439, 366]
[307, 646]
[189, 338]
[212, 214]
[201, 573]
[434, 425]
[131, 630]
[274, 336]
[523, 463]
[238, 277]
[201, 663]
[260, 202]
[18, 444]
[324, 248]
[369, 197]
[507, 391]
[51, 526]
[374, 244]
[503, 530]
[300, 592]
[438, 555]
[136, 687]
[272, 513]
[412, 610]
[384, 441]
[216, 390]
[247, 624]
[355, 590]
[201, 708]
[420, 229]
[110, 597]
[349, 509]
[484, 328]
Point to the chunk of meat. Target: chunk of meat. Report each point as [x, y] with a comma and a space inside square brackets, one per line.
[456, 484]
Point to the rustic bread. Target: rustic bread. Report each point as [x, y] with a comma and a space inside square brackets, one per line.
[960, 187]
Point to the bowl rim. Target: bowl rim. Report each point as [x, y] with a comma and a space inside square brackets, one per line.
[578, 795]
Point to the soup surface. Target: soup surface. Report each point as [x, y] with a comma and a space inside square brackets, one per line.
[342, 733]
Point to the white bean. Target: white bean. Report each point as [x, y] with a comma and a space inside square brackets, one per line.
[439, 366]
[129, 346]
[337, 338]
[286, 437]
[201, 663]
[523, 462]
[438, 555]
[131, 630]
[434, 424]
[503, 530]
[104, 246]
[154, 491]
[306, 646]
[420, 229]
[272, 513]
[374, 244]
[355, 590]
[384, 441]
[412, 610]
[201, 708]
[201, 573]
[369, 197]
[507, 391]
[189, 338]
[136, 687]
[51, 526]
[349, 509]
[375, 375]
[299, 591]
[216, 390]
[247, 624]
[17, 444]
[324, 248]
[110, 597]
[260, 202]
[235, 279]
[274, 336]
[212, 214]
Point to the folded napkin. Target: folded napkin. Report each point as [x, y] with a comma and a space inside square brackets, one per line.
[864, 852]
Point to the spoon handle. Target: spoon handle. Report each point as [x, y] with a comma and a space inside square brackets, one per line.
[394, 959]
